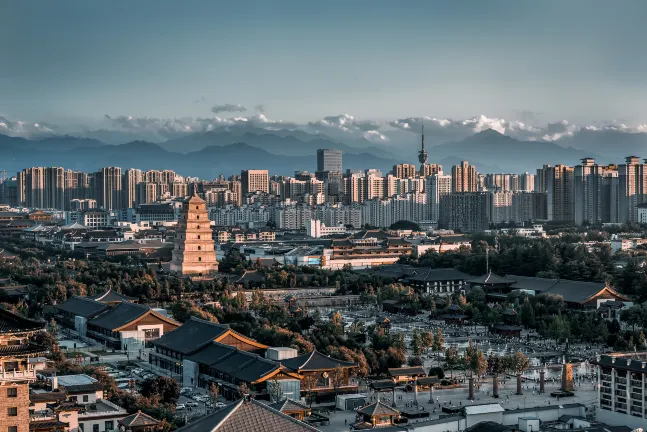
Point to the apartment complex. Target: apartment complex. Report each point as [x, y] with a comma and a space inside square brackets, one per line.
[622, 389]
[255, 181]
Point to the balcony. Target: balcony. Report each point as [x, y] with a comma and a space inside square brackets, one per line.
[636, 383]
[605, 377]
[621, 380]
[29, 374]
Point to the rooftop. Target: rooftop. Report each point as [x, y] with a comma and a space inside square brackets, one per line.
[247, 415]
[191, 336]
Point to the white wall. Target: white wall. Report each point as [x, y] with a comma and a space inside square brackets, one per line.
[618, 419]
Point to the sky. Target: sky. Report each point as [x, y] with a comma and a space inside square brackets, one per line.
[77, 61]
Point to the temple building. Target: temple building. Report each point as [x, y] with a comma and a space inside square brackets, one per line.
[577, 295]
[194, 252]
[203, 353]
[16, 348]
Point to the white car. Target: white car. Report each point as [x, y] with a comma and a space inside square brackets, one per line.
[220, 405]
[180, 407]
[192, 404]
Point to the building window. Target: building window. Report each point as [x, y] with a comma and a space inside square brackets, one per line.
[12, 429]
[199, 258]
[199, 247]
[197, 207]
[12, 411]
[86, 398]
[198, 227]
[95, 428]
[198, 236]
[12, 392]
[110, 425]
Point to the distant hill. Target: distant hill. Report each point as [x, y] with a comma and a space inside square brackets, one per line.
[494, 149]
[284, 142]
[19, 153]
[612, 145]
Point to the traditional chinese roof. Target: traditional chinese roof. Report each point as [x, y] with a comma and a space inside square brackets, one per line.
[125, 313]
[195, 334]
[385, 384]
[491, 279]
[111, 296]
[37, 425]
[82, 306]
[247, 415]
[289, 405]
[414, 370]
[11, 322]
[51, 396]
[378, 409]
[315, 361]
[437, 274]
[139, 419]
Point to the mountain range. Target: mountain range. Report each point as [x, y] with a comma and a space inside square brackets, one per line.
[208, 154]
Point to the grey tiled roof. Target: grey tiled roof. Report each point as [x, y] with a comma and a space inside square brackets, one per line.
[12, 322]
[248, 416]
[414, 370]
[378, 409]
[289, 405]
[120, 315]
[139, 419]
[191, 336]
[314, 361]
[111, 296]
[491, 278]
[438, 274]
[82, 306]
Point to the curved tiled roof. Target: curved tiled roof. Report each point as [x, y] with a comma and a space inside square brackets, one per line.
[120, 315]
[191, 336]
[111, 296]
[139, 419]
[378, 409]
[314, 361]
[11, 322]
[247, 415]
[82, 306]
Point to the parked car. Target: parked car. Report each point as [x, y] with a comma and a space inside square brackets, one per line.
[180, 406]
[220, 405]
[192, 404]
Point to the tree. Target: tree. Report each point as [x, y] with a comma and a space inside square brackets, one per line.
[438, 343]
[337, 378]
[519, 363]
[308, 383]
[452, 360]
[275, 390]
[214, 392]
[416, 345]
[165, 389]
[527, 314]
[243, 390]
[426, 341]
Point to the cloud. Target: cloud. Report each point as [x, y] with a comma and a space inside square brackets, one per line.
[260, 108]
[25, 129]
[349, 125]
[225, 108]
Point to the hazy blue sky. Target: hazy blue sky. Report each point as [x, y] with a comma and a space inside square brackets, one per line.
[304, 59]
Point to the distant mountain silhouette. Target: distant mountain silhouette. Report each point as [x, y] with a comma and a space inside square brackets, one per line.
[612, 144]
[284, 142]
[494, 149]
[19, 153]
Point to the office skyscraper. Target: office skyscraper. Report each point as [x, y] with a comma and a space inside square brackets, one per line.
[329, 160]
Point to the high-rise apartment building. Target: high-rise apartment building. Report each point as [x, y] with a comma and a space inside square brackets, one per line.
[405, 170]
[558, 183]
[610, 194]
[464, 178]
[465, 212]
[588, 192]
[428, 169]
[255, 181]
[131, 179]
[194, 252]
[329, 160]
[632, 180]
[436, 186]
[108, 188]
